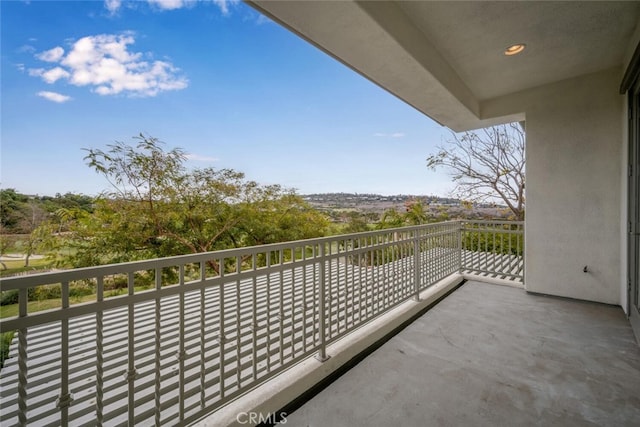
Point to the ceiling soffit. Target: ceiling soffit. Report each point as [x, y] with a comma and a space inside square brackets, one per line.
[564, 40]
[446, 58]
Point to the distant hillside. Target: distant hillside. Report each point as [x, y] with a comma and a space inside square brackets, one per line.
[349, 198]
[335, 203]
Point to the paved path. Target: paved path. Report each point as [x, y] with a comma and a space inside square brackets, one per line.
[17, 257]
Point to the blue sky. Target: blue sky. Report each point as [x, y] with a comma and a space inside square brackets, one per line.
[215, 78]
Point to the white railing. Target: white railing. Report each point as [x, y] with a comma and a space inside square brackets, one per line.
[493, 249]
[169, 340]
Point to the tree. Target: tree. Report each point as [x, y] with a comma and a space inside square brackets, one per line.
[31, 219]
[40, 239]
[414, 214]
[357, 223]
[487, 164]
[157, 207]
[391, 218]
[4, 245]
[10, 203]
[21, 214]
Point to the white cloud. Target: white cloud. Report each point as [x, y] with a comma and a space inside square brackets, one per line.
[54, 96]
[390, 135]
[198, 158]
[104, 63]
[112, 5]
[168, 4]
[26, 48]
[54, 75]
[51, 55]
[223, 5]
[20, 67]
[36, 72]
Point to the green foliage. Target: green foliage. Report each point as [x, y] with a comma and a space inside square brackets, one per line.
[82, 288]
[11, 206]
[415, 214]
[4, 246]
[391, 219]
[21, 213]
[494, 241]
[5, 343]
[157, 207]
[357, 223]
[9, 297]
[17, 266]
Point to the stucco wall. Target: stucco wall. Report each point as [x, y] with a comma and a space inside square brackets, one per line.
[574, 194]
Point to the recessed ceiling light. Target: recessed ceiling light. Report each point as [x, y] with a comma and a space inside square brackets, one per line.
[514, 49]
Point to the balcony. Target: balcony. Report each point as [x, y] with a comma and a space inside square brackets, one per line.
[489, 356]
[212, 327]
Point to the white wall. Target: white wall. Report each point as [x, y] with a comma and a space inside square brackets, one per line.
[577, 145]
[574, 194]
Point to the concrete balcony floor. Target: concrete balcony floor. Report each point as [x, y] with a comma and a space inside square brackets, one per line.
[491, 355]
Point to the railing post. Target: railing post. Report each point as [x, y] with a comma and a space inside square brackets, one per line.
[322, 352]
[131, 374]
[460, 230]
[520, 228]
[99, 354]
[66, 398]
[22, 360]
[416, 264]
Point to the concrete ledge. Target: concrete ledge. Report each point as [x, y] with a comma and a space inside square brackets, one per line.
[492, 280]
[283, 389]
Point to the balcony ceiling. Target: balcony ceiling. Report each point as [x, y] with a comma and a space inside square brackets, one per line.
[446, 58]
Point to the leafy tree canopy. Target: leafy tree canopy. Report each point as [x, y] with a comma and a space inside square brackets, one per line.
[21, 213]
[157, 207]
[415, 213]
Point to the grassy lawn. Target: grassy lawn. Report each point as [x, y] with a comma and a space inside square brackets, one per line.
[17, 266]
[11, 310]
[13, 267]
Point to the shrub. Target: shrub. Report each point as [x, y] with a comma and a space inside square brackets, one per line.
[9, 297]
[5, 343]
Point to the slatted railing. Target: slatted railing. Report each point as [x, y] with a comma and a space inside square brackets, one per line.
[493, 249]
[166, 341]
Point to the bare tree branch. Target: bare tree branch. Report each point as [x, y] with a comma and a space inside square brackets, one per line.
[486, 165]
